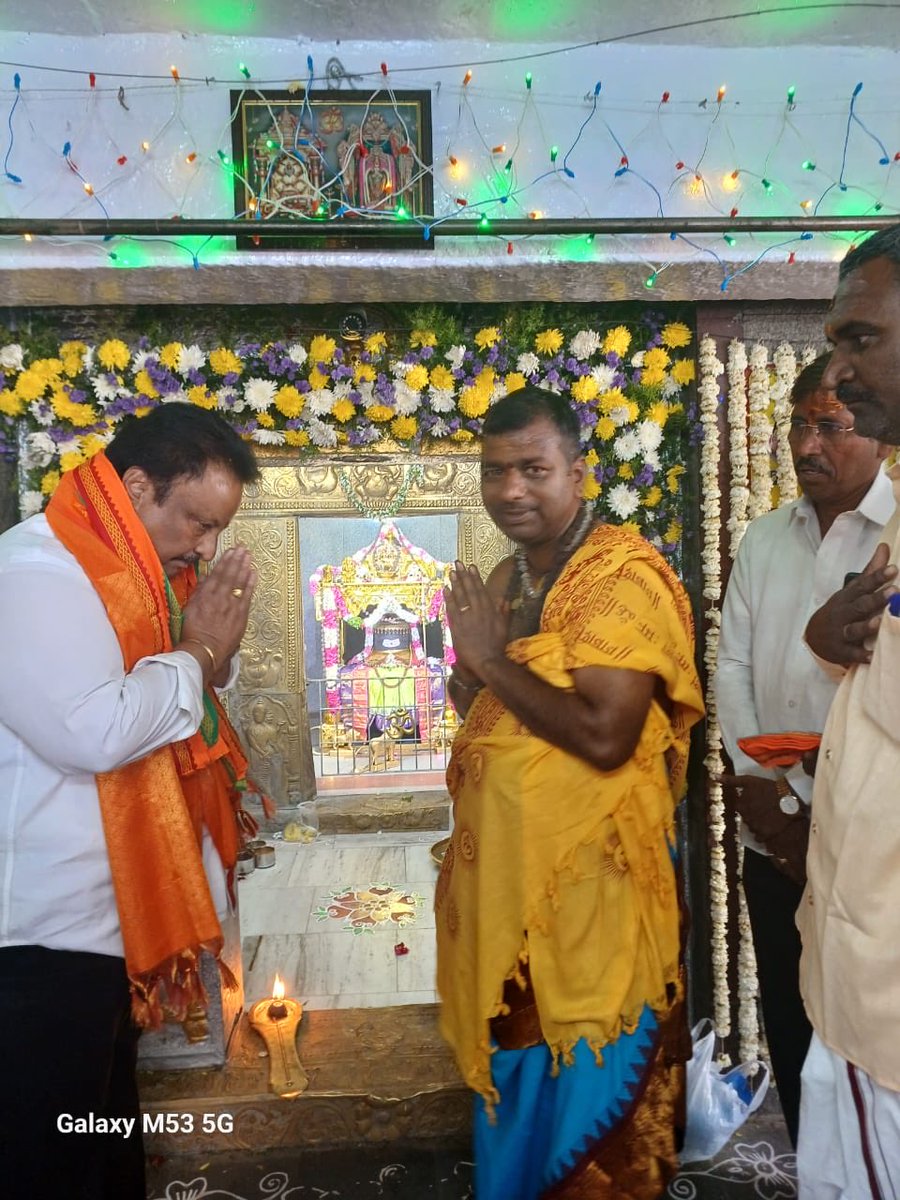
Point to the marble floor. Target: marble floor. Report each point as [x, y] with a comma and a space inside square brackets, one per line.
[346, 920]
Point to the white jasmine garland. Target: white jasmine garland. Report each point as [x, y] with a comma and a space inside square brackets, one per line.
[785, 362]
[259, 393]
[759, 433]
[623, 500]
[30, 503]
[737, 453]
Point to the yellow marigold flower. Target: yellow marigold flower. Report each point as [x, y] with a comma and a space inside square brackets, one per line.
[72, 364]
[11, 405]
[379, 412]
[548, 342]
[70, 460]
[322, 348]
[265, 420]
[653, 497]
[375, 342]
[201, 396]
[515, 380]
[71, 348]
[49, 481]
[485, 380]
[591, 489]
[404, 428]
[68, 410]
[626, 471]
[317, 379]
[605, 428]
[614, 398]
[144, 410]
[168, 356]
[617, 341]
[442, 377]
[672, 479]
[114, 355]
[30, 385]
[676, 334]
[92, 445]
[224, 362]
[296, 437]
[684, 371]
[657, 357]
[289, 401]
[677, 407]
[417, 377]
[48, 368]
[474, 402]
[485, 338]
[363, 373]
[462, 435]
[144, 384]
[658, 413]
[591, 458]
[632, 410]
[422, 337]
[653, 376]
[343, 409]
[585, 389]
[631, 527]
[673, 532]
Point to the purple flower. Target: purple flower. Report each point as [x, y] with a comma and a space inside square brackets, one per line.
[230, 378]
[304, 386]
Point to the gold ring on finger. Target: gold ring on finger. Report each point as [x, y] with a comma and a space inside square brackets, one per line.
[465, 607]
[238, 592]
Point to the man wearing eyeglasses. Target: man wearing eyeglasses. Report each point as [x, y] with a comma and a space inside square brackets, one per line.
[791, 561]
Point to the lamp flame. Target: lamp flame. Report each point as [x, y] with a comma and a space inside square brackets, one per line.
[278, 988]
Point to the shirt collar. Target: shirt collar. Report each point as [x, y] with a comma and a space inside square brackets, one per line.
[877, 505]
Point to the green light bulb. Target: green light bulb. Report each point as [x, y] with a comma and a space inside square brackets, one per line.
[809, 165]
[484, 222]
[767, 185]
[528, 79]
[244, 70]
[554, 153]
[650, 280]
[791, 93]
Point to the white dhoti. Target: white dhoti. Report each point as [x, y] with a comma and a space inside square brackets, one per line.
[849, 1145]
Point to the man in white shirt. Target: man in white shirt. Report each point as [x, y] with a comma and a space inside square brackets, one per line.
[788, 563]
[116, 766]
[850, 970]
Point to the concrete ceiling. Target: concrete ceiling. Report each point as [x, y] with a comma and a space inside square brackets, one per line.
[698, 22]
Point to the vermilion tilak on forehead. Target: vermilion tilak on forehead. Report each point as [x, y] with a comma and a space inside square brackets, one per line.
[823, 404]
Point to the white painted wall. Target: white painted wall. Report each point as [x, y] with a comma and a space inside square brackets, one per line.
[748, 132]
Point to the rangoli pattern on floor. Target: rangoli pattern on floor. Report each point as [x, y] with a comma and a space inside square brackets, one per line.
[376, 906]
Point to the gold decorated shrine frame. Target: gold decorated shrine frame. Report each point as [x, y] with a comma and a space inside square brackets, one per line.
[270, 698]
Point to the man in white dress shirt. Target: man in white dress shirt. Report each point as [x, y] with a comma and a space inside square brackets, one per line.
[113, 761]
[789, 562]
[850, 970]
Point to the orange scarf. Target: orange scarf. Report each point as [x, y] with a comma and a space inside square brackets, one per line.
[154, 810]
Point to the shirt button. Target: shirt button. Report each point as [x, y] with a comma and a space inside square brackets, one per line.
[809, 899]
[814, 828]
[828, 754]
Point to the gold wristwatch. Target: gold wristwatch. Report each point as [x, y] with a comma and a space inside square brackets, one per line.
[788, 801]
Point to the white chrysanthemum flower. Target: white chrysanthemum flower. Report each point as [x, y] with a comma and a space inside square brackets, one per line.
[398, 368]
[89, 359]
[441, 399]
[627, 446]
[190, 358]
[454, 356]
[527, 363]
[406, 400]
[604, 374]
[103, 389]
[619, 415]
[670, 387]
[367, 393]
[585, 343]
[12, 357]
[320, 402]
[297, 354]
[268, 437]
[439, 429]
[623, 501]
[31, 503]
[650, 435]
[498, 391]
[637, 360]
[320, 434]
[139, 361]
[177, 397]
[259, 393]
[41, 412]
[342, 388]
[229, 397]
[652, 460]
[39, 451]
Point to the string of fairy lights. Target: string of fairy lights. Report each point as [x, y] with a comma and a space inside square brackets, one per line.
[328, 156]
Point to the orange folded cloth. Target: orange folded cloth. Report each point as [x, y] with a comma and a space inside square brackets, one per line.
[779, 749]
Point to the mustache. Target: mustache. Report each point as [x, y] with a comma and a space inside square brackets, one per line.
[808, 463]
[847, 393]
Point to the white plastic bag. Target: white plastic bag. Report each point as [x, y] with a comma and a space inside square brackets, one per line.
[719, 1100]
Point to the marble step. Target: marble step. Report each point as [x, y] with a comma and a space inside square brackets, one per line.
[389, 811]
[376, 1075]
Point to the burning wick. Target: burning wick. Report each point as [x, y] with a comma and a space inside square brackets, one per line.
[277, 1009]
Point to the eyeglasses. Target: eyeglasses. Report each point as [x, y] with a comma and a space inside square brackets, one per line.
[825, 431]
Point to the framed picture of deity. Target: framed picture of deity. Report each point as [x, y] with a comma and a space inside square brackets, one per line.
[328, 157]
